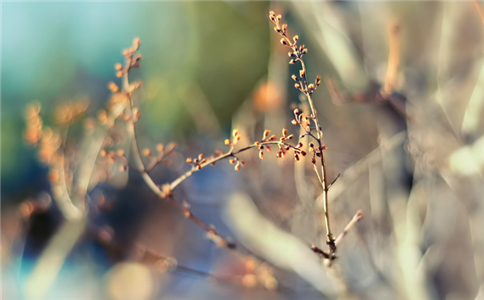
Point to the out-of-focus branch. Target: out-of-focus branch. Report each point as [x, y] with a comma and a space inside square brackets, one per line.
[393, 59]
[357, 217]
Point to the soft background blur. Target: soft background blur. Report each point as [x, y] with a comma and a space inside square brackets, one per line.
[413, 163]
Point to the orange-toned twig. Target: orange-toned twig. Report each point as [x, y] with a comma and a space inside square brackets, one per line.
[310, 123]
[393, 59]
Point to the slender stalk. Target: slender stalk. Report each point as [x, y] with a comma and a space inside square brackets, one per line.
[307, 89]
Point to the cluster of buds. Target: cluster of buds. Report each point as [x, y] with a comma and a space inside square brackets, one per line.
[132, 60]
[261, 144]
[235, 138]
[264, 144]
[33, 132]
[197, 162]
[296, 54]
[301, 83]
[110, 157]
[160, 156]
[68, 112]
[258, 275]
[237, 163]
[48, 140]
[303, 121]
[316, 151]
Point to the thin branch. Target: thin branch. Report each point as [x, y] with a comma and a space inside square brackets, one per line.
[308, 89]
[337, 176]
[393, 59]
[357, 217]
[479, 9]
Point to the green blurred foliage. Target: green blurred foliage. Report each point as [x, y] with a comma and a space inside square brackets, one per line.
[53, 52]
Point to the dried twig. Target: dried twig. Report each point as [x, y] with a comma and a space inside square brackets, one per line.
[310, 123]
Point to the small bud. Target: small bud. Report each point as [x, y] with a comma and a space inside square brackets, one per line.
[160, 147]
[237, 166]
[294, 122]
[235, 132]
[113, 87]
[291, 62]
[313, 160]
[302, 73]
[297, 86]
[284, 42]
[136, 42]
[171, 146]
[187, 213]
[295, 38]
[296, 157]
[277, 29]
[284, 27]
[290, 137]
[189, 160]
[119, 74]
[243, 163]
[318, 80]
[261, 155]
[311, 86]
[232, 161]
[102, 153]
[118, 66]
[279, 17]
[294, 77]
[284, 132]
[266, 134]
[123, 168]
[120, 152]
[303, 153]
[200, 156]
[227, 142]
[146, 152]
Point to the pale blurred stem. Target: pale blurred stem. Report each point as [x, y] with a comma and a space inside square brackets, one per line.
[393, 58]
[479, 9]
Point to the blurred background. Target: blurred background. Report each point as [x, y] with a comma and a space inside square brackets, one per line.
[401, 107]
